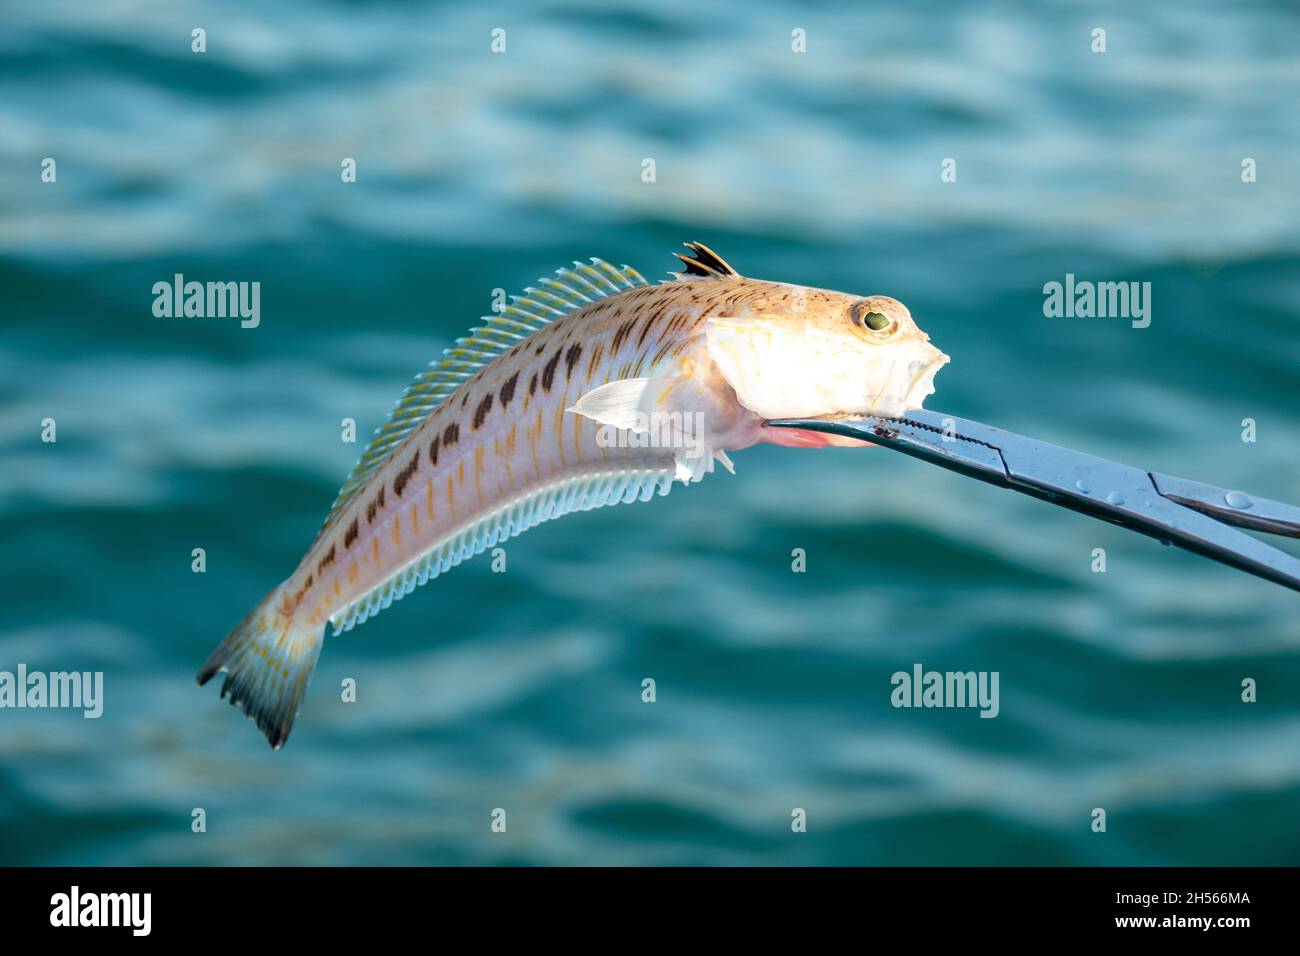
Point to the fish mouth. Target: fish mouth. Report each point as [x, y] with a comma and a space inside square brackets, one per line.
[909, 383]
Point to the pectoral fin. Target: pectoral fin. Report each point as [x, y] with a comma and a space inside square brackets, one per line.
[625, 403]
[664, 413]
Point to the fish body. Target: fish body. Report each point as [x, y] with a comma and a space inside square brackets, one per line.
[592, 388]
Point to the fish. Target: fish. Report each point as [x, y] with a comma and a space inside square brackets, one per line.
[594, 387]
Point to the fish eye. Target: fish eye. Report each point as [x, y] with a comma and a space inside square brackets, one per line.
[870, 320]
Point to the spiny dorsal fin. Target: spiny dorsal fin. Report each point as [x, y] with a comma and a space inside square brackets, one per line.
[568, 291]
[704, 262]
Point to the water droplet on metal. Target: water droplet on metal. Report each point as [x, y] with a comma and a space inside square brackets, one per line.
[1237, 499]
[1082, 486]
[1115, 498]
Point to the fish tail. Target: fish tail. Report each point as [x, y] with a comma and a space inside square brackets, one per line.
[268, 661]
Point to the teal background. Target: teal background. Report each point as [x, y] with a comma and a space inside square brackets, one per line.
[522, 690]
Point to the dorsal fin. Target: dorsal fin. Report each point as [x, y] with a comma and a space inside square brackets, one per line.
[568, 291]
[704, 262]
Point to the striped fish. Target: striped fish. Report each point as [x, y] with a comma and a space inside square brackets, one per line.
[593, 388]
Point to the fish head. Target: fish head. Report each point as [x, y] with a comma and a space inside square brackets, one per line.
[808, 353]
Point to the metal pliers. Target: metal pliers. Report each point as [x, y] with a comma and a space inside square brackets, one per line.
[1198, 517]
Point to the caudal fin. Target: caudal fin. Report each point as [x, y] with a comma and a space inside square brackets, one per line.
[268, 663]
